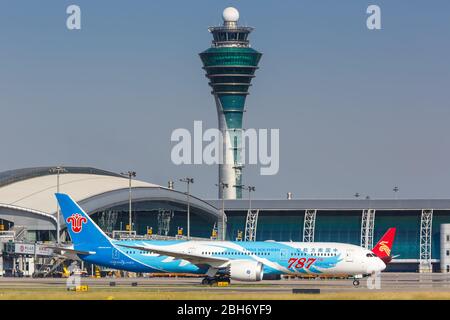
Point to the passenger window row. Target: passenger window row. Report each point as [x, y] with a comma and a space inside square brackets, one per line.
[237, 253]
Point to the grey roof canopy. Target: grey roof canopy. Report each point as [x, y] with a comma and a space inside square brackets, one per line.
[335, 204]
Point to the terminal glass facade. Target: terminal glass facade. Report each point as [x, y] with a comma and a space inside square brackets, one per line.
[345, 227]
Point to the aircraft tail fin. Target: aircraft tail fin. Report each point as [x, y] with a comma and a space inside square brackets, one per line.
[384, 247]
[84, 232]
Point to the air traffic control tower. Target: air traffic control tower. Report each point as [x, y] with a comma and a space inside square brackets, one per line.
[230, 65]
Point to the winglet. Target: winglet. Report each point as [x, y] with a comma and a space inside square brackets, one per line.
[383, 248]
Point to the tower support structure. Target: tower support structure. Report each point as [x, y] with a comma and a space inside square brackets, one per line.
[309, 225]
[367, 228]
[251, 225]
[426, 222]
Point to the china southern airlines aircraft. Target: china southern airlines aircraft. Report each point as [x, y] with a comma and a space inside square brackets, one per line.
[220, 260]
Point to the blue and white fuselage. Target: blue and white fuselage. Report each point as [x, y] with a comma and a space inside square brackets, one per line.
[276, 257]
[246, 261]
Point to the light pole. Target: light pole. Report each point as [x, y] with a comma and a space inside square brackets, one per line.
[58, 170]
[249, 189]
[188, 182]
[223, 186]
[130, 175]
[396, 189]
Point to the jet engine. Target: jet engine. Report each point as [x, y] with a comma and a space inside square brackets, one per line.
[246, 270]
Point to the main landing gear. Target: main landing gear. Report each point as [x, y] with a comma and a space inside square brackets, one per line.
[213, 281]
[356, 282]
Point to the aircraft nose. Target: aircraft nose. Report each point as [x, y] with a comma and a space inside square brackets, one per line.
[376, 266]
[381, 265]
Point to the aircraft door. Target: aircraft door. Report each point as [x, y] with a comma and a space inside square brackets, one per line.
[349, 256]
[284, 254]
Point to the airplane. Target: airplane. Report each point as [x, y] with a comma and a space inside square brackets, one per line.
[220, 260]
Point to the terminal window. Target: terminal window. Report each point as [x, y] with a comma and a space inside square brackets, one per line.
[447, 252]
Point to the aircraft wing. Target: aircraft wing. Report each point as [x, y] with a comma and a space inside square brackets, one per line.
[69, 250]
[196, 259]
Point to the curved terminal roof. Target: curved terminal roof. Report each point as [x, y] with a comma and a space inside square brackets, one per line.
[29, 193]
[11, 176]
[37, 192]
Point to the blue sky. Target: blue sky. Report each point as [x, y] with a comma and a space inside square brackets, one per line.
[358, 110]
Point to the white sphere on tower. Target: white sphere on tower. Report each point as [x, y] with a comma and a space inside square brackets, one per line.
[230, 14]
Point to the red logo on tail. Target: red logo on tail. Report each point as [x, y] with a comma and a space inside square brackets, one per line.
[384, 247]
[76, 220]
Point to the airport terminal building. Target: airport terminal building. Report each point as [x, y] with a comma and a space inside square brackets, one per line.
[28, 213]
[28, 209]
